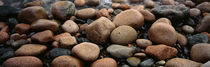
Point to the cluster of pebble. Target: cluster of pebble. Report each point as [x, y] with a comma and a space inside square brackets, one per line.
[105, 33]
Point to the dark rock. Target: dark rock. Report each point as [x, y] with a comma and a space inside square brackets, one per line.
[198, 38]
[204, 7]
[121, 51]
[147, 63]
[204, 25]
[58, 52]
[19, 43]
[117, 11]
[4, 50]
[7, 55]
[8, 12]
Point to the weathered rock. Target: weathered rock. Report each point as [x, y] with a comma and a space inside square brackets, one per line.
[55, 52]
[204, 25]
[143, 43]
[103, 13]
[197, 38]
[180, 62]
[70, 27]
[99, 30]
[44, 24]
[22, 28]
[86, 13]
[66, 61]
[104, 62]
[121, 51]
[200, 52]
[133, 61]
[3, 37]
[30, 50]
[204, 7]
[43, 37]
[181, 39]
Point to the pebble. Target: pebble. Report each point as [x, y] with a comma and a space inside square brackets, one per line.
[200, 52]
[197, 38]
[110, 10]
[44, 24]
[125, 6]
[180, 62]
[86, 51]
[30, 50]
[83, 27]
[189, 3]
[93, 2]
[15, 36]
[19, 43]
[43, 37]
[57, 37]
[86, 13]
[118, 1]
[23, 61]
[207, 64]
[33, 3]
[160, 63]
[104, 62]
[22, 28]
[138, 7]
[181, 39]
[79, 3]
[117, 11]
[195, 12]
[204, 6]
[3, 37]
[129, 17]
[143, 43]
[168, 2]
[115, 5]
[103, 13]
[66, 61]
[147, 63]
[99, 30]
[8, 54]
[119, 51]
[148, 16]
[123, 35]
[150, 4]
[30, 14]
[203, 26]
[161, 52]
[67, 42]
[63, 10]
[162, 33]
[140, 55]
[201, 1]
[70, 27]
[188, 29]
[55, 52]
[133, 61]
[163, 20]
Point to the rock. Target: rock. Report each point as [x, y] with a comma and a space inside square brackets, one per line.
[161, 63]
[197, 38]
[22, 28]
[86, 51]
[3, 37]
[63, 10]
[79, 3]
[204, 25]
[66, 61]
[31, 14]
[55, 52]
[188, 29]
[195, 12]
[43, 37]
[30, 50]
[129, 17]
[25, 61]
[207, 64]
[140, 55]
[99, 30]
[181, 39]
[161, 52]
[180, 62]
[103, 13]
[163, 20]
[201, 1]
[44, 24]
[104, 62]
[143, 43]
[133, 1]
[92, 2]
[8, 12]
[123, 35]
[15, 36]
[19, 43]
[118, 1]
[189, 3]
[117, 11]
[204, 6]
[171, 11]
[162, 33]
[148, 16]
[147, 63]
[4, 50]
[115, 5]
[67, 42]
[7, 55]
[168, 2]
[199, 52]
[110, 10]
[119, 51]
[86, 13]
[150, 4]
[125, 6]
[83, 27]
[57, 37]
[70, 27]
[133, 61]
[33, 3]
[138, 7]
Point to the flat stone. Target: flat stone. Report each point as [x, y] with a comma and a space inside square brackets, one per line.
[86, 13]
[44, 24]
[70, 27]
[180, 62]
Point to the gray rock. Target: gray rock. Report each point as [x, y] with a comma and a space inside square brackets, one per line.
[133, 61]
[58, 52]
[147, 63]
[19, 43]
[207, 64]
[7, 55]
[160, 63]
[197, 38]
[121, 51]
[204, 7]
[117, 11]
[4, 50]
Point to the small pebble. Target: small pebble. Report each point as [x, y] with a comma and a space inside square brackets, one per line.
[3, 37]
[200, 52]
[79, 3]
[180, 62]
[125, 6]
[70, 27]
[189, 3]
[188, 29]
[140, 55]
[195, 12]
[143, 43]
[160, 63]
[133, 61]
[44, 24]
[67, 42]
[22, 28]
[30, 50]
[43, 37]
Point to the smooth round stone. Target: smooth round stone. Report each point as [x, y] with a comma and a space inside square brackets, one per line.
[147, 63]
[181, 39]
[70, 27]
[22, 28]
[44, 24]
[63, 10]
[55, 52]
[195, 12]
[150, 3]
[119, 51]
[3, 37]
[104, 62]
[123, 35]
[189, 3]
[133, 61]
[115, 5]
[163, 20]
[92, 2]
[188, 29]
[125, 6]
[33, 3]
[197, 38]
[57, 37]
[160, 63]
[66, 61]
[204, 6]
[200, 52]
[180, 62]
[129, 17]
[138, 7]
[67, 42]
[86, 13]
[148, 16]
[23, 61]
[79, 3]
[140, 55]
[86, 51]
[43, 37]
[30, 50]
[143, 43]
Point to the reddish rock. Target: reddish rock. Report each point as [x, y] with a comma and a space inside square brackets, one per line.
[44, 24]
[125, 6]
[22, 28]
[115, 5]
[83, 27]
[143, 43]
[33, 3]
[43, 37]
[30, 50]
[103, 13]
[104, 62]
[79, 2]
[57, 37]
[181, 39]
[168, 2]
[148, 16]
[180, 62]
[66, 61]
[3, 37]
[86, 13]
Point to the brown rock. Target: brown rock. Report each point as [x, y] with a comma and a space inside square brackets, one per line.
[30, 50]
[110, 10]
[86, 51]
[161, 52]
[33, 3]
[168, 2]
[22, 28]
[43, 37]
[115, 5]
[181, 39]
[195, 12]
[125, 6]
[104, 62]
[150, 4]
[23, 61]
[79, 2]
[204, 25]
[201, 1]
[44, 24]
[70, 27]
[204, 7]
[133, 1]
[66, 61]
[92, 2]
[162, 33]
[67, 42]
[103, 13]
[188, 29]
[138, 7]
[2, 24]
[3, 37]
[143, 43]
[118, 1]
[163, 20]
[189, 3]
[123, 35]
[83, 27]
[200, 52]
[5, 29]
[57, 37]
[129, 17]
[86, 13]
[148, 16]
[31, 14]
[180, 62]
[99, 30]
